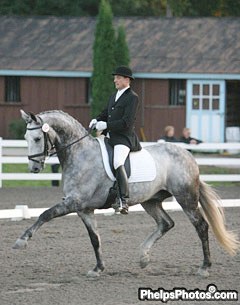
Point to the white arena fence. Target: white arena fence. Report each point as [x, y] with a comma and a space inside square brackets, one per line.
[24, 212]
[15, 152]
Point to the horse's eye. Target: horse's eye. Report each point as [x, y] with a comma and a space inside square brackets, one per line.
[37, 139]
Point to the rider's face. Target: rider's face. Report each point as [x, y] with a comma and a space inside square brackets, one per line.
[121, 82]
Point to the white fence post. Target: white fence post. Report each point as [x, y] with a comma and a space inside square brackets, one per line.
[1, 162]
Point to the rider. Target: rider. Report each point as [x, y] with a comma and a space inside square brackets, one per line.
[118, 119]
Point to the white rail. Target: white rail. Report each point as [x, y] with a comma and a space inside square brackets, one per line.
[24, 212]
[16, 145]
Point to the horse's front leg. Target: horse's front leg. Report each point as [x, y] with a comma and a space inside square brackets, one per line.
[89, 220]
[61, 209]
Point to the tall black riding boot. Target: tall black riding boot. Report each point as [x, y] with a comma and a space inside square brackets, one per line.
[122, 181]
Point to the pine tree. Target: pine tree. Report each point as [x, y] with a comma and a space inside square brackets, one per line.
[121, 48]
[103, 59]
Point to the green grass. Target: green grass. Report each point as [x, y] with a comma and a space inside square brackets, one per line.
[210, 170]
[205, 170]
[23, 168]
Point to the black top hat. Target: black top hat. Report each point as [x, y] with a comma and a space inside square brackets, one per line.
[123, 71]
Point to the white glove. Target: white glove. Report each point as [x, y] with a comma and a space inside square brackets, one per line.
[92, 123]
[101, 125]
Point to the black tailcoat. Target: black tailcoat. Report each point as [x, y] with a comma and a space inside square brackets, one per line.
[120, 117]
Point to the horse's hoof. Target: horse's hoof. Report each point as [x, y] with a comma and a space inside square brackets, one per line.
[20, 244]
[144, 261]
[203, 272]
[93, 274]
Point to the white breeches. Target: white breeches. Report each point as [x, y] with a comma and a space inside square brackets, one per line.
[120, 155]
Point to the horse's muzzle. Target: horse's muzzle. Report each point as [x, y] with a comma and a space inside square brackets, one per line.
[35, 170]
[35, 167]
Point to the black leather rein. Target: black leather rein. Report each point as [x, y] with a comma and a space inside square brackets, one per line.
[46, 151]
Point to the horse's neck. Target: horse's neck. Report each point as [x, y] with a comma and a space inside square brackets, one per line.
[76, 152]
[67, 140]
[67, 130]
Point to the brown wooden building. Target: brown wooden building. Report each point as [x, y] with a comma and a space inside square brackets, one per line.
[187, 71]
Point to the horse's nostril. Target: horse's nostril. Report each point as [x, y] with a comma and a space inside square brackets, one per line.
[35, 170]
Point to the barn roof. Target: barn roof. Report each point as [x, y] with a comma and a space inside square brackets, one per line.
[157, 45]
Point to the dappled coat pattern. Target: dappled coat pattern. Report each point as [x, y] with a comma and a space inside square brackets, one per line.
[86, 185]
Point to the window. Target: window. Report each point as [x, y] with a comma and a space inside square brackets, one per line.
[177, 92]
[12, 89]
[205, 96]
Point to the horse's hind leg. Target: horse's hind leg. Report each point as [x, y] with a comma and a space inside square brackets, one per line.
[190, 207]
[201, 227]
[58, 210]
[164, 223]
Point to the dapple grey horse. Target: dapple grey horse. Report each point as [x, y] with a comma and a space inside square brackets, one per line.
[86, 186]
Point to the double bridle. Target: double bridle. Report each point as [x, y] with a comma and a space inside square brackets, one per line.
[46, 151]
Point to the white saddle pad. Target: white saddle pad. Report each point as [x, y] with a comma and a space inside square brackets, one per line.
[143, 166]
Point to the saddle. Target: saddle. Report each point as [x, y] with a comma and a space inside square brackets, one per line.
[140, 167]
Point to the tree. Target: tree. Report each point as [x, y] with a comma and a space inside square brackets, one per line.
[229, 8]
[122, 57]
[202, 8]
[103, 58]
[49, 7]
[137, 7]
[177, 8]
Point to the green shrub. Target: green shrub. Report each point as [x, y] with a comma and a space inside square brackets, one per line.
[17, 129]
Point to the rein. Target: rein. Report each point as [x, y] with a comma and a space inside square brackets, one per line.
[70, 144]
[46, 151]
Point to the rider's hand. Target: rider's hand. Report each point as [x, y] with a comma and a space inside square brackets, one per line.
[92, 123]
[101, 125]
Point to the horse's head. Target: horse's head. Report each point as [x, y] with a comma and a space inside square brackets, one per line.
[38, 139]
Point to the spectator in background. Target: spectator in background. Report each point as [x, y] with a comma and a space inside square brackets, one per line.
[169, 134]
[186, 138]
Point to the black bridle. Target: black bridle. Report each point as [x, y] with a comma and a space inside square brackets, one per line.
[46, 150]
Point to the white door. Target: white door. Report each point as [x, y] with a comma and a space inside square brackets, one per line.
[206, 109]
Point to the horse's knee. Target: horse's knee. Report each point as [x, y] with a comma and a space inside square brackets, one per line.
[58, 210]
[45, 216]
[49, 214]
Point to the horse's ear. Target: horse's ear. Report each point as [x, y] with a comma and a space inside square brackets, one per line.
[33, 117]
[28, 117]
